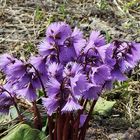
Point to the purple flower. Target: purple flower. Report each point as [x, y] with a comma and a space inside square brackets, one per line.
[71, 105]
[117, 74]
[53, 87]
[66, 54]
[46, 48]
[78, 84]
[39, 63]
[5, 61]
[82, 119]
[16, 70]
[126, 56]
[72, 46]
[135, 50]
[100, 74]
[95, 41]
[78, 41]
[71, 69]
[55, 70]
[58, 32]
[9, 87]
[97, 38]
[28, 92]
[93, 91]
[5, 101]
[50, 104]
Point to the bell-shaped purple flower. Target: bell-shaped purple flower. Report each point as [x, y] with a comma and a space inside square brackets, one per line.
[50, 104]
[55, 70]
[93, 91]
[16, 70]
[46, 48]
[28, 92]
[71, 69]
[5, 61]
[66, 54]
[72, 47]
[97, 38]
[100, 74]
[53, 87]
[78, 84]
[95, 41]
[71, 105]
[58, 32]
[6, 101]
[39, 63]
[78, 41]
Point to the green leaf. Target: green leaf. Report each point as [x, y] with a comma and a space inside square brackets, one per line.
[24, 132]
[103, 107]
[11, 116]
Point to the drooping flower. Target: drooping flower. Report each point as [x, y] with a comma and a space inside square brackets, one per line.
[28, 92]
[78, 84]
[16, 70]
[97, 38]
[78, 41]
[53, 87]
[71, 105]
[72, 68]
[6, 101]
[95, 41]
[67, 54]
[58, 32]
[46, 48]
[72, 46]
[39, 63]
[93, 91]
[55, 70]
[126, 58]
[100, 74]
[50, 104]
[5, 61]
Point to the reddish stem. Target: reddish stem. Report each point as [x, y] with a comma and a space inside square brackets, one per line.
[15, 105]
[76, 126]
[37, 117]
[59, 127]
[51, 126]
[84, 127]
[66, 128]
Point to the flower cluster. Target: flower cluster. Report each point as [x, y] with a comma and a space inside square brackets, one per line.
[68, 68]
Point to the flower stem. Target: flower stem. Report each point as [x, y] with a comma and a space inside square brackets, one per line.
[51, 126]
[83, 129]
[66, 128]
[37, 117]
[15, 105]
[60, 125]
[41, 82]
